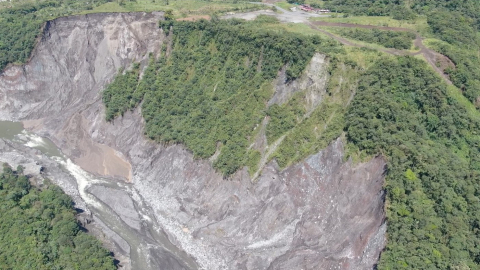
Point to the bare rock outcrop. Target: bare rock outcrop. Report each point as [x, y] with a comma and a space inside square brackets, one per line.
[323, 213]
[313, 83]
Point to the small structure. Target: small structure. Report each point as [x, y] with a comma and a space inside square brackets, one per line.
[322, 11]
[293, 9]
[306, 8]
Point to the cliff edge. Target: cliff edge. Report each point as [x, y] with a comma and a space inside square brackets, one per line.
[322, 213]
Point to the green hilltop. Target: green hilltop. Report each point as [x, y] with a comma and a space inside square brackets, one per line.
[211, 93]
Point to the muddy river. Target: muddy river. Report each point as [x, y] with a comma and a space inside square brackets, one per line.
[116, 205]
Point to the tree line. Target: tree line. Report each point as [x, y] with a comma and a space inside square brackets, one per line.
[211, 91]
[38, 229]
[21, 24]
[390, 39]
[403, 110]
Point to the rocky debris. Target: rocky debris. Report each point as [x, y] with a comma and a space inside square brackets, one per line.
[40, 167]
[322, 213]
[75, 59]
[313, 83]
[319, 214]
[113, 242]
[120, 202]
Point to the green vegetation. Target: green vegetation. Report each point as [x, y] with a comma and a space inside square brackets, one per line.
[403, 110]
[119, 93]
[462, 43]
[284, 117]
[20, 25]
[314, 130]
[213, 87]
[389, 39]
[254, 157]
[285, 5]
[21, 22]
[180, 8]
[455, 22]
[312, 135]
[38, 229]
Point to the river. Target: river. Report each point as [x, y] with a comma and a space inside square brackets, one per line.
[150, 247]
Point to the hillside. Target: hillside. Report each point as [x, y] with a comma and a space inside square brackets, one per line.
[265, 145]
[401, 109]
[455, 25]
[211, 222]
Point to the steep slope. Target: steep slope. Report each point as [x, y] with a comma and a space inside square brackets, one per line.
[322, 213]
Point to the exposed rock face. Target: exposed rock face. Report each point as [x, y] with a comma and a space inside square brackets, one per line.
[320, 214]
[323, 213]
[76, 58]
[313, 82]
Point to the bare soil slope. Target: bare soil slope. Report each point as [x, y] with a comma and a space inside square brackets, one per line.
[323, 213]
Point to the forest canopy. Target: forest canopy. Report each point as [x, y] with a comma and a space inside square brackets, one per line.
[403, 110]
[212, 90]
[210, 94]
[390, 39]
[38, 229]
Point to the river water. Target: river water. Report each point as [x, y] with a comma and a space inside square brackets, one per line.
[146, 243]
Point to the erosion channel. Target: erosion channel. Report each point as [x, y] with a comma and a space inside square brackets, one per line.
[158, 206]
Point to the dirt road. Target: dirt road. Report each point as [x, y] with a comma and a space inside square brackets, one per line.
[283, 15]
[438, 61]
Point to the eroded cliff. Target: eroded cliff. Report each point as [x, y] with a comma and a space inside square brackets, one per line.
[323, 213]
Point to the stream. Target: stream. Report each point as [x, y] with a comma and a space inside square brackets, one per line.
[150, 247]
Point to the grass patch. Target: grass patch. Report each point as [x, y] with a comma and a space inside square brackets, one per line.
[285, 5]
[419, 24]
[312, 135]
[253, 160]
[364, 57]
[432, 43]
[455, 93]
[180, 8]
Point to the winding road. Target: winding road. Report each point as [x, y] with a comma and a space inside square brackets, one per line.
[432, 57]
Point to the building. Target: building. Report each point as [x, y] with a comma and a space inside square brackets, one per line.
[306, 8]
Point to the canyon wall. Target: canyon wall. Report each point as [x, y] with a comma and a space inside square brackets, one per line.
[323, 213]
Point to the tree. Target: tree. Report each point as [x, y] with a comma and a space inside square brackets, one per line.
[169, 15]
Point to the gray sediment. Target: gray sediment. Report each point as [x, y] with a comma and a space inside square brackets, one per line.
[157, 203]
